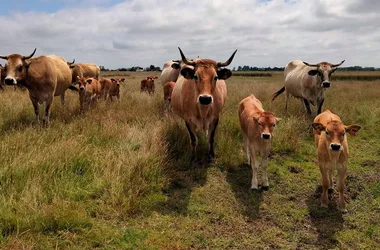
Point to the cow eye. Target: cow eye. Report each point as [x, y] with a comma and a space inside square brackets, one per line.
[274, 125]
[195, 77]
[216, 78]
[19, 68]
[327, 133]
[344, 133]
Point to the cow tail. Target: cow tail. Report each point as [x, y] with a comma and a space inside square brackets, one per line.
[73, 88]
[278, 93]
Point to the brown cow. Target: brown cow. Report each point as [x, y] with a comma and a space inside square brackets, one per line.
[198, 97]
[147, 84]
[168, 89]
[111, 87]
[89, 92]
[332, 148]
[84, 70]
[257, 126]
[43, 76]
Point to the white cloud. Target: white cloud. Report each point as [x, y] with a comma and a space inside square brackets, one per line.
[266, 33]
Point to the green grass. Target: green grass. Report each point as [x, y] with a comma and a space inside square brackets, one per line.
[120, 177]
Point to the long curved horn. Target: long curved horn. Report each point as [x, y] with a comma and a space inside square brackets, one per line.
[337, 65]
[184, 60]
[4, 57]
[28, 57]
[69, 63]
[226, 63]
[311, 65]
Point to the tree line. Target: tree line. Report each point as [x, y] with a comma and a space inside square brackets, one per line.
[351, 68]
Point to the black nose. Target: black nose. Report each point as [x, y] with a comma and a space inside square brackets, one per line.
[205, 99]
[169, 99]
[335, 147]
[266, 136]
[326, 84]
[8, 81]
[81, 88]
[118, 84]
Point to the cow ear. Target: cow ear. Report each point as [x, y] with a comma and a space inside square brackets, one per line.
[277, 120]
[333, 70]
[352, 129]
[122, 79]
[89, 81]
[224, 74]
[72, 66]
[176, 66]
[188, 73]
[313, 72]
[318, 127]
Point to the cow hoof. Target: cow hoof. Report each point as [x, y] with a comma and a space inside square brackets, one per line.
[265, 188]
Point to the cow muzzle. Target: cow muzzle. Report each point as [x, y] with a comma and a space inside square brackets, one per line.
[336, 147]
[266, 136]
[10, 81]
[81, 88]
[326, 84]
[205, 99]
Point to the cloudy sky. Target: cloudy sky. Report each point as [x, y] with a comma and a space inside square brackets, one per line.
[117, 33]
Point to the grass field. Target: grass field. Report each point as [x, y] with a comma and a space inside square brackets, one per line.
[119, 177]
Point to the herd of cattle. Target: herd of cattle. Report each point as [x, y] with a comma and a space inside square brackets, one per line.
[195, 90]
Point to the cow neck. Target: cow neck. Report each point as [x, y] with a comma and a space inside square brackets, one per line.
[203, 110]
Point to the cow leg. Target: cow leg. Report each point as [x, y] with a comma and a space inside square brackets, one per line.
[319, 104]
[63, 99]
[325, 186]
[247, 149]
[213, 126]
[49, 103]
[307, 105]
[193, 139]
[1, 87]
[340, 186]
[118, 97]
[36, 110]
[331, 184]
[254, 165]
[264, 165]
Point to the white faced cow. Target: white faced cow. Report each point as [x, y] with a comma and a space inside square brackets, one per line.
[198, 96]
[170, 71]
[307, 82]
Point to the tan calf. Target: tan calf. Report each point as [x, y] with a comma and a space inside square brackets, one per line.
[257, 127]
[147, 84]
[332, 148]
[111, 87]
[168, 89]
[89, 92]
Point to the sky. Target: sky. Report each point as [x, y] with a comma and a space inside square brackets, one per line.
[117, 33]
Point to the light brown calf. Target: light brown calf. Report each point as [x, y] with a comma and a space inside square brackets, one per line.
[168, 89]
[332, 148]
[89, 92]
[111, 87]
[257, 126]
[148, 84]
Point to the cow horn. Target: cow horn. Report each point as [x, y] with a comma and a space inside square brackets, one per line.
[177, 61]
[311, 65]
[226, 63]
[4, 57]
[28, 57]
[184, 60]
[337, 65]
[69, 63]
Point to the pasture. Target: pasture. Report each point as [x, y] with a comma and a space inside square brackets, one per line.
[120, 177]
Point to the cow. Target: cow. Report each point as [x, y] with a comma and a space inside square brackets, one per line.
[147, 84]
[111, 87]
[89, 92]
[170, 71]
[307, 82]
[84, 70]
[1, 77]
[43, 76]
[332, 148]
[199, 95]
[257, 126]
[168, 89]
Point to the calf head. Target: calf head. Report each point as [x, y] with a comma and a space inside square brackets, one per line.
[15, 70]
[266, 122]
[83, 81]
[335, 132]
[324, 71]
[117, 81]
[205, 73]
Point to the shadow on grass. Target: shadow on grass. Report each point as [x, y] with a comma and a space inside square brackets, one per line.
[327, 221]
[240, 179]
[183, 174]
